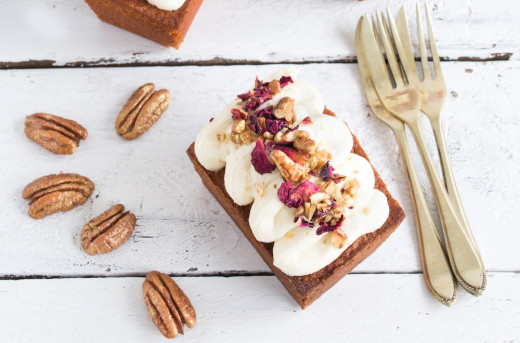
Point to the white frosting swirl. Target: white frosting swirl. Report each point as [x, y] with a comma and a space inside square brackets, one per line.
[167, 5]
[296, 251]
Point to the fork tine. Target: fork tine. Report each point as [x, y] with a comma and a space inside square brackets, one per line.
[433, 46]
[407, 66]
[376, 35]
[422, 46]
[389, 50]
[402, 27]
[375, 62]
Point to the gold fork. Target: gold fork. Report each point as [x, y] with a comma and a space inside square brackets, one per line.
[403, 101]
[433, 94]
[435, 265]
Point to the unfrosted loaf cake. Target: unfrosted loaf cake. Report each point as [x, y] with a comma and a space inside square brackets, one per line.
[166, 26]
[310, 252]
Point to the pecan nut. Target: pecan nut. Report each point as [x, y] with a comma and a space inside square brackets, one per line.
[107, 231]
[56, 192]
[55, 134]
[141, 111]
[168, 306]
[290, 170]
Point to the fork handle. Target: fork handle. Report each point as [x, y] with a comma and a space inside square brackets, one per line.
[465, 261]
[436, 268]
[449, 180]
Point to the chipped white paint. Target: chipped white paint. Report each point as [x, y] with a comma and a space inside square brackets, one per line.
[181, 228]
[362, 308]
[68, 32]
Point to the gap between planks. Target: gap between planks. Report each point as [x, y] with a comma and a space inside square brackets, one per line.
[111, 62]
[224, 274]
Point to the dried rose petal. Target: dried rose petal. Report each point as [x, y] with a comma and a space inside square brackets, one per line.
[236, 113]
[259, 159]
[326, 171]
[265, 112]
[274, 125]
[254, 124]
[301, 221]
[328, 228]
[245, 96]
[307, 121]
[295, 196]
[285, 80]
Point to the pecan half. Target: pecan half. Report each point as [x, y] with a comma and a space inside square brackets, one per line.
[56, 192]
[107, 231]
[285, 109]
[168, 306]
[55, 134]
[290, 170]
[141, 111]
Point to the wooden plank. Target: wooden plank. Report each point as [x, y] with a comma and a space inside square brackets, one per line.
[62, 32]
[363, 308]
[181, 229]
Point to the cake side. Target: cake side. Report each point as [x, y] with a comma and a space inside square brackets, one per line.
[307, 288]
[138, 16]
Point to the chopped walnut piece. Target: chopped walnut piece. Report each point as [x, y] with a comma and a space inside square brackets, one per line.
[239, 125]
[338, 238]
[285, 109]
[299, 211]
[222, 137]
[308, 210]
[303, 143]
[268, 135]
[274, 87]
[290, 170]
[353, 187]
[241, 133]
[284, 136]
[321, 200]
[318, 159]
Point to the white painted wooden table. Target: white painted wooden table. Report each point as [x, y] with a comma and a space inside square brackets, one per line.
[51, 291]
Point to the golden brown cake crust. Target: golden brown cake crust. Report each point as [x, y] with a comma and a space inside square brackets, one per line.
[138, 16]
[307, 288]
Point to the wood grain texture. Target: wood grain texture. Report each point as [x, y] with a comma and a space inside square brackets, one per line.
[257, 309]
[180, 228]
[63, 32]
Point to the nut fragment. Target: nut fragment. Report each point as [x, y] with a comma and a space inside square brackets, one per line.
[168, 306]
[107, 231]
[303, 143]
[275, 87]
[242, 133]
[141, 111]
[318, 159]
[290, 170]
[285, 109]
[55, 134]
[56, 192]
[338, 238]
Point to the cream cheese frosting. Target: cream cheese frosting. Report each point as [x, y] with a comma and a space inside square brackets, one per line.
[167, 5]
[297, 250]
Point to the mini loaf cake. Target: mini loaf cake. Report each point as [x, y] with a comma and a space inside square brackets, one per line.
[163, 21]
[297, 183]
